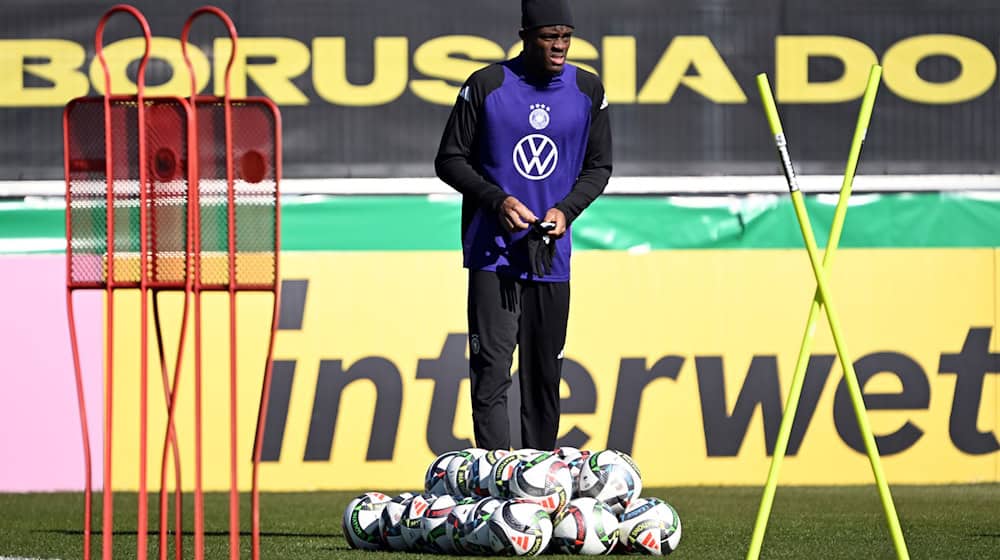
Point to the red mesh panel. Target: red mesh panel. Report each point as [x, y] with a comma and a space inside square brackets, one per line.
[167, 191]
[255, 163]
[86, 202]
[87, 178]
[255, 168]
[213, 226]
[167, 198]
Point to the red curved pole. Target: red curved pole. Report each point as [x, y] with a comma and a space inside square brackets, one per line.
[234, 529]
[230, 27]
[265, 392]
[88, 476]
[265, 395]
[75, 348]
[172, 393]
[107, 514]
[170, 443]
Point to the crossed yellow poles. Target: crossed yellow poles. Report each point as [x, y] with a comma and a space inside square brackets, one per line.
[823, 299]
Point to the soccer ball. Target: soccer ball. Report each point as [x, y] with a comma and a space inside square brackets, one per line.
[411, 524]
[388, 523]
[527, 453]
[610, 477]
[500, 475]
[480, 470]
[475, 536]
[631, 462]
[545, 480]
[433, 525]
[575, 458]
[586, 527]
[434, 479]
[360, 522]
[519, 528]
[456, 478]
[455, 525]
[567, 453]
[650, 526]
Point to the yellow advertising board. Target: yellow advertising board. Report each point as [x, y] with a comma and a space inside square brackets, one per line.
[681, 358]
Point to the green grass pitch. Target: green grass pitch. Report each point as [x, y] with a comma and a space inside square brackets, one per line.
[940, 522]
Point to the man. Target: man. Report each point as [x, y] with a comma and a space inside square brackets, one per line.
[528, 144]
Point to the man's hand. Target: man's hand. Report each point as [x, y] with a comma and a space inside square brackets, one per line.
[556, 217]
[541, 248]
[515, 216]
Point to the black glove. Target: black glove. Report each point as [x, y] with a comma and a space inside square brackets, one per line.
[541, 248]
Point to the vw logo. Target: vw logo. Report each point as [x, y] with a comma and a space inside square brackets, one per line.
[535, 157]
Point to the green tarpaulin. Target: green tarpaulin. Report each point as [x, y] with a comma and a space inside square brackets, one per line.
[421, 222]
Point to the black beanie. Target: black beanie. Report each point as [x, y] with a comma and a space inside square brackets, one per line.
[540, 13]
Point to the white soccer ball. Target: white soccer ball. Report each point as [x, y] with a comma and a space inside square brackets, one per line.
[433, 525]
[610, 477]
[527, 453]
[360, 521]
[500, 476]
[388, 524]
[519, 528]
[480, 470]
[475, 536]
[456, 478]
[411, 525]
[567, 453]
[456, 523]
[434, 478]
[586, 527]
[575, 458]
[545, 480]
[631, 462]
[650, 526]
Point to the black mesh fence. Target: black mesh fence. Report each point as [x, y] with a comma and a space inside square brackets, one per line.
[365, 86]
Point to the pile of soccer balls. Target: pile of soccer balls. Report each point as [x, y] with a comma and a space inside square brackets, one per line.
[520, 503]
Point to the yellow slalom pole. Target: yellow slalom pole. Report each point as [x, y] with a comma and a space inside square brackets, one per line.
[798, 378]
[850, 377]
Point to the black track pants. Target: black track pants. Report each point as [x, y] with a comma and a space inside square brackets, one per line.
[504, 312]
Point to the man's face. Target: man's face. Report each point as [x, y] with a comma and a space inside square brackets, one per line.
[545, 48]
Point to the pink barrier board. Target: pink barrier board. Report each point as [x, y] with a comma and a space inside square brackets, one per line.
[40, 441]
